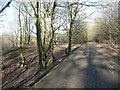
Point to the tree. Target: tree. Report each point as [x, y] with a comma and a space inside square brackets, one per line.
[21, 40]
[79, 34]
[38, 28]
[42, 46]
[107, 27]
[73, 10]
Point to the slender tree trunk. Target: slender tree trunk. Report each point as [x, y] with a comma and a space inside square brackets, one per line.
[52, 31]
[26, 27]
[110, 38]
[21, 54]
[70, 41]
[39, 40]
[29, 37]
[73, 13]
[51, 24]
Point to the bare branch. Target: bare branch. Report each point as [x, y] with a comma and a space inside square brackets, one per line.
[7, 5]
[91, 4]
[33, 32]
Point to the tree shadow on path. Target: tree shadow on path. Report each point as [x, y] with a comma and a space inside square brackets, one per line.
[93, 78]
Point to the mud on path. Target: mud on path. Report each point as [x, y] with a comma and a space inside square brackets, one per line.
[88, 67]
[12, 74]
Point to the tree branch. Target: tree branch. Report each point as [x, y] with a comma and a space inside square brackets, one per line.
[7, 5]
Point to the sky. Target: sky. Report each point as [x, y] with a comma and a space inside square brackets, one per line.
[8, 23]
[8, 19]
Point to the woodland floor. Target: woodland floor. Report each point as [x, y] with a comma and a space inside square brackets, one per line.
[12, 74]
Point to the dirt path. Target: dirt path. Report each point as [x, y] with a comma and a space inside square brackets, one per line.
[87, 67]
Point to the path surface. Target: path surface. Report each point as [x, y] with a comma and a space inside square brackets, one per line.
[85, 68]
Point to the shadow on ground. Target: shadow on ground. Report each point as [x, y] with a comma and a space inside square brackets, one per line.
[99, 75]
[13, 75]
[85, 68]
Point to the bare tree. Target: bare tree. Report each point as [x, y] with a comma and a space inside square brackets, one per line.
[21, 39]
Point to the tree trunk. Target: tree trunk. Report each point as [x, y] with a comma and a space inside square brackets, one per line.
[70, 41]
[39, 40]
[29, 37]
[21, 54]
